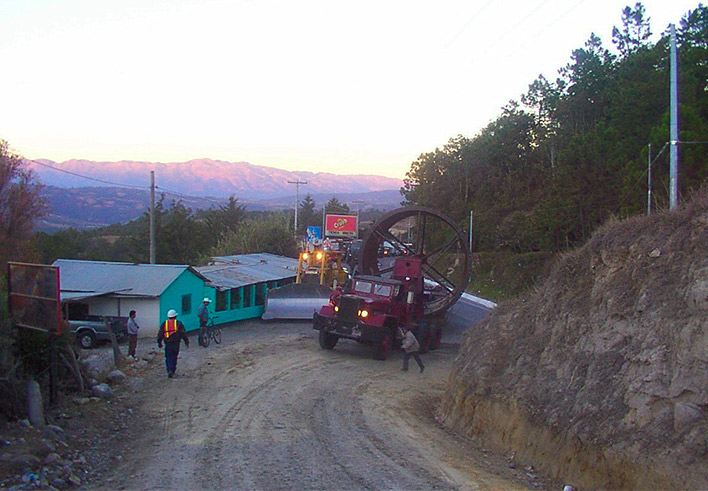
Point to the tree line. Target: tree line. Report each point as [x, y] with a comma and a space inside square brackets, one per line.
[186, 236]
[574, 151]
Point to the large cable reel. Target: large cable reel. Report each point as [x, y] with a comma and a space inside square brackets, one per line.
[428, 235]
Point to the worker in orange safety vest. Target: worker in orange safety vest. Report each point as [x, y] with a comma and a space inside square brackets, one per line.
[171, 332]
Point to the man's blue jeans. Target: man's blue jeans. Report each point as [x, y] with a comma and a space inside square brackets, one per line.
[171, 354]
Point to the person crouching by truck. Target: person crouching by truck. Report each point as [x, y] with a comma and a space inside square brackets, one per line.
[411, 347]
[171, 332]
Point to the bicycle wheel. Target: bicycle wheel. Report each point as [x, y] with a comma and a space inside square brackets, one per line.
[217, 335]
[203, 337]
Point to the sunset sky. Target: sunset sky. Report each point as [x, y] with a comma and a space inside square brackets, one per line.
[320, 86]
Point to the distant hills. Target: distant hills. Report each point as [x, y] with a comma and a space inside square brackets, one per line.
[80, 203]
[207, 177]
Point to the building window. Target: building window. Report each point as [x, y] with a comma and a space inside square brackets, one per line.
[260, 293]
[186, 304]
[221, 300]
[235, 298]
[247, 296]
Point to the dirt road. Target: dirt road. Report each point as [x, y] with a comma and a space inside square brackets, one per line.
[269, 409]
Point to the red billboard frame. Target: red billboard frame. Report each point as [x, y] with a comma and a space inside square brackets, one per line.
[341, 225]
[34, 296]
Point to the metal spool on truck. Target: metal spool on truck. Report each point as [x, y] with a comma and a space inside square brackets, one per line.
[414, 286]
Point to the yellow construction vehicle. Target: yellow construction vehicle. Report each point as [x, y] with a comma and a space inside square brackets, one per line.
[319, 271]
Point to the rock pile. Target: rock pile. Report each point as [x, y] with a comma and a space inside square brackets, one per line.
[69, 454]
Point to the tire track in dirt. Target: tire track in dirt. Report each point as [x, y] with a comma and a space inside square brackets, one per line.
[283, 427]
[224, 441]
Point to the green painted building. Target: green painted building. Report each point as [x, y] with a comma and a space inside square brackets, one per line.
[238, 284]
[114, 289]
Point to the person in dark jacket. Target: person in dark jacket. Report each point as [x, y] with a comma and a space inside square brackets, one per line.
[171, 332]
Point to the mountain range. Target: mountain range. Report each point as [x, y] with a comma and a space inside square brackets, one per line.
[207, 177]
[85, 194]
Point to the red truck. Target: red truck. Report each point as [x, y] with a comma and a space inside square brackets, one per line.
[371, 309]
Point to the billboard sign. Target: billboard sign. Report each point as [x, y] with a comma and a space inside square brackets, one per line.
[341, 226]
[34, 297]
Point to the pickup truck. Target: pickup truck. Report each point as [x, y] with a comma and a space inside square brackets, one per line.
[91, 329]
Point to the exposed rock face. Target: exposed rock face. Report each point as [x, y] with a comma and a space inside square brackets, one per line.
[600, 376]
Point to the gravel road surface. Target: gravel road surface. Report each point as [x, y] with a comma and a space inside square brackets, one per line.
[268, 409]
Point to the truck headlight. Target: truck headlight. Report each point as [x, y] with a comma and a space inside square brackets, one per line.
[363, 314]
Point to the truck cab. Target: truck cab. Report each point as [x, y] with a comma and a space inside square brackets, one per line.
[371, 309]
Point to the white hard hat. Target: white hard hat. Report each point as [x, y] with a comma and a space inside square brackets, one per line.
[171, 313]
[206, 300]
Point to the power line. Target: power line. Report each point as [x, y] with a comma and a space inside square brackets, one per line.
[515, 26]
[132, 186]
[551, 24]
[467, 24]
[181, 195]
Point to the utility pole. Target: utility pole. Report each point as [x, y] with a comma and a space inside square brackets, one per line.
[674, 137]
[649, 181]
[297, 183]
[471, 223]
[152, 217]
[357, 202]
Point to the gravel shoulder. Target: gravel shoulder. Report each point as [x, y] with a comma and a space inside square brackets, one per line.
[269, 409]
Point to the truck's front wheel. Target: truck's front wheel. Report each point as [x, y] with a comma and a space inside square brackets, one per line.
[435, 338]
[383, 347]
[423, 337]
[86, 339]
[328, 340]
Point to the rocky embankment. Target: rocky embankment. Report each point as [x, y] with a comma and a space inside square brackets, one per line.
[600, 376]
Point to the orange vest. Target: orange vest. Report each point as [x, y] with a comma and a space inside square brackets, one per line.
[170, 327]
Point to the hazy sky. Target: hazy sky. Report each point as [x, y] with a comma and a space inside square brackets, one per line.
[310, 85]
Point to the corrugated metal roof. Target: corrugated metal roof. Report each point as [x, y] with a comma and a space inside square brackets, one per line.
[247, 269]
[126, 279]
[287, 263]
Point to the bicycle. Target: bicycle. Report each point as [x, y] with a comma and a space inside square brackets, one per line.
[209, 332]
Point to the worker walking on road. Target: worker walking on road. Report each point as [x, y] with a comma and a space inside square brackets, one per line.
[411, 347]
[171, 332]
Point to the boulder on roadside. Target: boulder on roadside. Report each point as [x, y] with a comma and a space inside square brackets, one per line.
[102, 391]
[81, 401]
[35, 407]
[54, 432]
[116, 376]
[98, 364]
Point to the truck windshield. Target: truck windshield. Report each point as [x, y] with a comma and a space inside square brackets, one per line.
[362, 286]
[383, 290]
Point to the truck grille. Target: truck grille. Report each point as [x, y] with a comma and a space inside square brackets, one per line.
[348, 308]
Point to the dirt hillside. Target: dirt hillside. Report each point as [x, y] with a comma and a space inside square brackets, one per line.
[600, 376]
